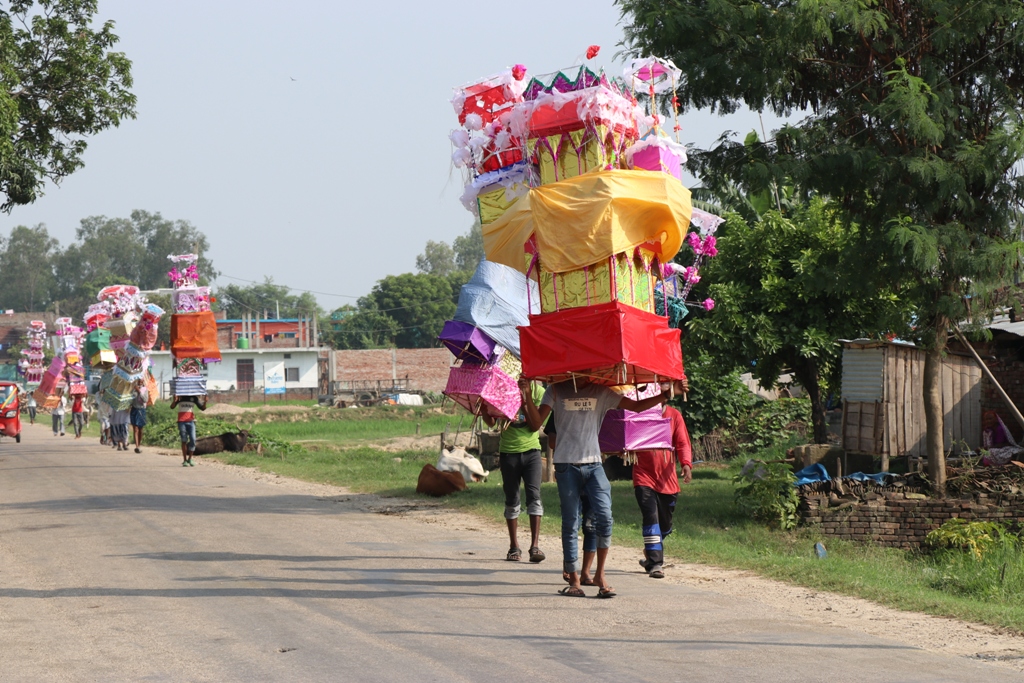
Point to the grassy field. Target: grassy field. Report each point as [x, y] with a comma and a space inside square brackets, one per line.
[709, 529]
[271, 402]
[345, 429]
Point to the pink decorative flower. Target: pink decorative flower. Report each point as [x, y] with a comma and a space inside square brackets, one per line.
[708, 246]
[518, 72]
[691, 276]
[693, 239]
[592, 51]
[708, 304]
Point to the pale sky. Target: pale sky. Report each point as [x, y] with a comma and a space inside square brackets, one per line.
[309, 139]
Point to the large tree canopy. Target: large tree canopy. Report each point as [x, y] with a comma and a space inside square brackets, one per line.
[60, 82]
[786, 287]
[913, 126]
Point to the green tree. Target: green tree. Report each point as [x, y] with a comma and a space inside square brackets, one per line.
[266, 299]
[785, 289]
[420, 304]
[130, 250]
[61, 84]
[360, 327]
[463, 255]
[438, 258]
[469, 249]
[27, 256]
[913, 126]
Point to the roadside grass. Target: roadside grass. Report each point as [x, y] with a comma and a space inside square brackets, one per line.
[271, 402]
[349, 430]
[709, 530]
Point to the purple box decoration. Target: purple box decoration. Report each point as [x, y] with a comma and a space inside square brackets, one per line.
[467, 342]
[625, 431]
[658, 158]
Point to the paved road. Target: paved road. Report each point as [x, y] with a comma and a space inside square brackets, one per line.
[117, 566]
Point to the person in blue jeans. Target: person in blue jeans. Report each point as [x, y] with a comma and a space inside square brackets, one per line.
[186, 406]
[579, 407]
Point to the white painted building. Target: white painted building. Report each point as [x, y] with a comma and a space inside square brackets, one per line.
[242, 369]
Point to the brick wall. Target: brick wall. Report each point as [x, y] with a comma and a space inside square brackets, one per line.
[896, 522]
[427, 369]
[246, 396]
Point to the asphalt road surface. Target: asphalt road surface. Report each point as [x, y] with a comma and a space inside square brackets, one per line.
[125, 567]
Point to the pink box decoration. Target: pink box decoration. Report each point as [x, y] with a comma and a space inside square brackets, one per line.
[623, 431]
[484, 389]
[658, 158]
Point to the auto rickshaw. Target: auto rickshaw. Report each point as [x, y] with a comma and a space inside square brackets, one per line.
[10, 410]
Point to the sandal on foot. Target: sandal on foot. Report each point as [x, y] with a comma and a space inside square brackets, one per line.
[606, 592]
[572, 592]
[657, 574]
[536, 555]
[514, 555]
[138, 450]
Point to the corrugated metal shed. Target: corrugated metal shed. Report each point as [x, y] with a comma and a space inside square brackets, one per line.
[863, 372]
[883, 400]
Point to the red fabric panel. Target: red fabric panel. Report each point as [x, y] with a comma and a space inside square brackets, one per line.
[612, 343]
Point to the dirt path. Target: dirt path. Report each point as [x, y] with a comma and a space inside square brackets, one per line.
[936, 634]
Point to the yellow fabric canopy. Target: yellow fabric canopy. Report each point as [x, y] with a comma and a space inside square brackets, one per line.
[583, 220]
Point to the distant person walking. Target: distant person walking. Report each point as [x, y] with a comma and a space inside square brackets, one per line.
[119, 429]
[78, 414]
[138, 413]
[57, 415]
[31, 408]
[104, 411]
[186, 406]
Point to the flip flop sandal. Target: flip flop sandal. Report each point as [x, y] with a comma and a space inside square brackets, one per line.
[514, 555]
[536, 555]
[606, 593]
[657, 574]
[572, 592]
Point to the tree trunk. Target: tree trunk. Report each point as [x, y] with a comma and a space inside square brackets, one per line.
[806, 372]
[933, 412]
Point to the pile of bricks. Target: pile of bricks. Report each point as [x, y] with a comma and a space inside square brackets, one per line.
[903, 520]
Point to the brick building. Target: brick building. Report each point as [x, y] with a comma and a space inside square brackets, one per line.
[426, 369]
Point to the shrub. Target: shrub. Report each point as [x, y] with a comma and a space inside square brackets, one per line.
[774, 422]
[715, 400]
[765, 492]
[976, 538]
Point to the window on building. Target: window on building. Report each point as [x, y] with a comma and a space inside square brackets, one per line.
[287, 355]
[291, 374]
[268, 338]
[245, 373]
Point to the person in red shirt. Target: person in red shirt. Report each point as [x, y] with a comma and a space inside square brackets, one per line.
[78, 415]
[656, 486]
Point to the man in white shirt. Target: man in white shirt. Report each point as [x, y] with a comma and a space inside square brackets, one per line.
[579, 407]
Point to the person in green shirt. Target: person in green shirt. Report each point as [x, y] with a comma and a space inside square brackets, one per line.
[521, 461]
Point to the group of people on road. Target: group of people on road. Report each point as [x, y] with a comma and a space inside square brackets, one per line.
[114, 424]
[571, 413]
